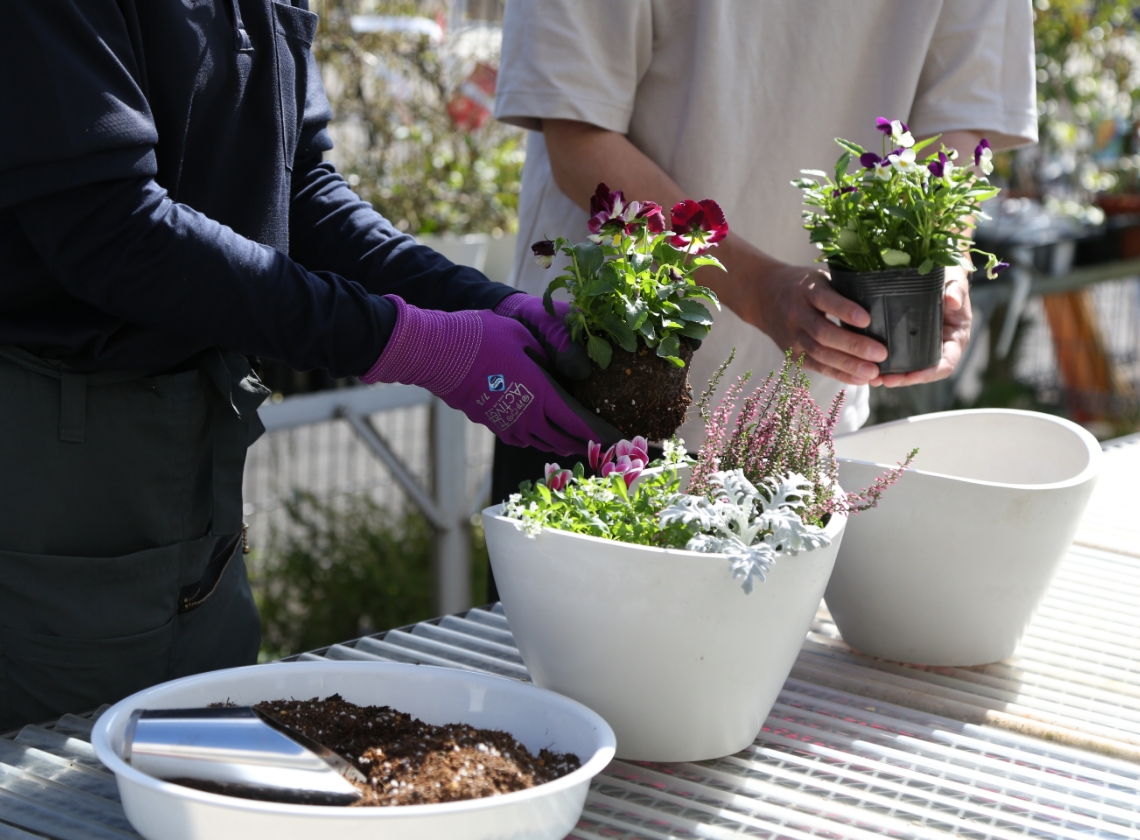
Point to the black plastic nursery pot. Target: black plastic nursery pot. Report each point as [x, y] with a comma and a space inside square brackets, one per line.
[905, 309]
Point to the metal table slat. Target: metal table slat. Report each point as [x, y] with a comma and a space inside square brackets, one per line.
[855, 747]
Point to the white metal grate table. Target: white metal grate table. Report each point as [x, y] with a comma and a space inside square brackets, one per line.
[1045, 744]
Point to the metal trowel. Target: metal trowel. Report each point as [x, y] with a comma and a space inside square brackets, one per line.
[238, 751]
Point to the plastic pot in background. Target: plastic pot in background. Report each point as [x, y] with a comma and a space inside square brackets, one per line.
[905, 309]
[952, 564]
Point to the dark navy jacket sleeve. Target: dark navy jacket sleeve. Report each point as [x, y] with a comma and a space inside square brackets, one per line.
[91, 188]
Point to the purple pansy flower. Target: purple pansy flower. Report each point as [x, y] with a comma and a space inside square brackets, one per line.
[869, 159]
[940, 167]
[543, 252]
[984, 157]
[842, 191]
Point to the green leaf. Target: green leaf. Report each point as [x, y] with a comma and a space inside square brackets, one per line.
[818, 173]
[649, 331]
[805, 183]
[821, 234]
[695, 311]
[589, 257]
[922, 144]
[841, 165]
[670, 346]
[635, 313]
[853, 148]
[926, 266]
[640, 262]
[621, 331]
[707, 260]
[695, 330]
[600, 351]
[547, 296]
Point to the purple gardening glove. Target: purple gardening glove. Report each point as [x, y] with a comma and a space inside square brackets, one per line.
[569, 358]
[490, 368]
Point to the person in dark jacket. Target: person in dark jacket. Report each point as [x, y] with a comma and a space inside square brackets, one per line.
[165, 213]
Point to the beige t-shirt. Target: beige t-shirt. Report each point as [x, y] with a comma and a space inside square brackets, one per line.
[733, 97]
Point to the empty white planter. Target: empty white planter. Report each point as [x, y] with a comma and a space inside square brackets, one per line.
[952, 564]
[662, 643]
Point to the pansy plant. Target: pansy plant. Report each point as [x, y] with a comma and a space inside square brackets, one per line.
[897, 208]
[632, 283]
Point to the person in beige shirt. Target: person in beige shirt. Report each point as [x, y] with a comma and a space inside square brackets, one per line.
[729, 99]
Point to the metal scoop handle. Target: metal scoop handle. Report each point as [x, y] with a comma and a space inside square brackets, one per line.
[240, 751]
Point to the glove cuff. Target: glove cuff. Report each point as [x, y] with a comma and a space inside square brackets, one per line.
[432, 349]
[509, 306]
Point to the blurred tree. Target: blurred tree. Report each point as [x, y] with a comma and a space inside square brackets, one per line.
[410, 97]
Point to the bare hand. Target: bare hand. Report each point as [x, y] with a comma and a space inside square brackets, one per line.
[956, 319]
[790, 304]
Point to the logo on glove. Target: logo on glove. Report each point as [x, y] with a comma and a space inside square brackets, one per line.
[496, 382]
[510, 406]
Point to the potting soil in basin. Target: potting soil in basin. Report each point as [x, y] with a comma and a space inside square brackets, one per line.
[409, 762]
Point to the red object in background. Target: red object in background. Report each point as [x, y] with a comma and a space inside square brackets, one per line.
[471, 107]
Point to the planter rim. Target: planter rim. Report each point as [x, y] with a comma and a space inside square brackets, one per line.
[938, 269]
[1092, 468]
[833, 527]
[602, 756]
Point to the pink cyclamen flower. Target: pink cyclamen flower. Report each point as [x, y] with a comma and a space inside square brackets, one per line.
[697, 225]
[556, 477]
[636, 448]
[625, 466]
[597, 458]
[543, 252]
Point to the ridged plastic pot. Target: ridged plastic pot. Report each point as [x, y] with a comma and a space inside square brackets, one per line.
[952, 564]
[905, 309]
[662, 643]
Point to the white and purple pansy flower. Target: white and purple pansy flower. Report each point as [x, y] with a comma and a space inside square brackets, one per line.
[984, 157]
[897, 130]
[903, 160]
[543, 251]
[943, 167]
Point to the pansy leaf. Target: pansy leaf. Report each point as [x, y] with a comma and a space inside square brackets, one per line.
[648, 332]
[818, 173]
[922, 144]
[925, 266]
[670, 346]
[589, 257]
[854, 148]
[805, 183]
[698, 262]
[841, 165]
[695, 311]
[635, 313]
[621, 331]
[695, 330]
[640, 262]
[600, 351]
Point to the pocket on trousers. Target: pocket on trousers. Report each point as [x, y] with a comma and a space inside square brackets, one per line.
[44, 677]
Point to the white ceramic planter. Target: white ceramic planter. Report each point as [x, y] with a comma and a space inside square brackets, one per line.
[162, 811]
[662, 643]
[952, 564]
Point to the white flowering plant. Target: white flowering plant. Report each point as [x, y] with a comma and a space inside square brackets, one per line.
[897, 209]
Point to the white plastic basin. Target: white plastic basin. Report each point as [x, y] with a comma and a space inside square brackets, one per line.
[663, 643]
[952, 564]
[162, 811]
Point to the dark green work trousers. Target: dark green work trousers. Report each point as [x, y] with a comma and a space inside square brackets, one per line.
[120, 530]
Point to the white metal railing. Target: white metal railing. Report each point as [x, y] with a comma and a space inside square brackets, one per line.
[443, 502]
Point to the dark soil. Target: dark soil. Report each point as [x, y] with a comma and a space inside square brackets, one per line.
[640, 393]
[409, 762]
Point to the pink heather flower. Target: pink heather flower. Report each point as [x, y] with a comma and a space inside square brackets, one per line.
[556, 477]
[697, 225]
[543, 252]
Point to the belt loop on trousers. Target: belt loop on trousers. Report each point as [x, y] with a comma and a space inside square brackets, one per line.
[72, 407]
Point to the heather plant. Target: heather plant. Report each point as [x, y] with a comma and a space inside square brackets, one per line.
[898, 210]
[777, 431]
[632, 283]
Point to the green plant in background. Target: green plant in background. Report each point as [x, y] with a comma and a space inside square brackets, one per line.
[1088, 94]
[345, 569]
[410, 119]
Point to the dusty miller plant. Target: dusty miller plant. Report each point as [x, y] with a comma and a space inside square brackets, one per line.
[750, 527]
